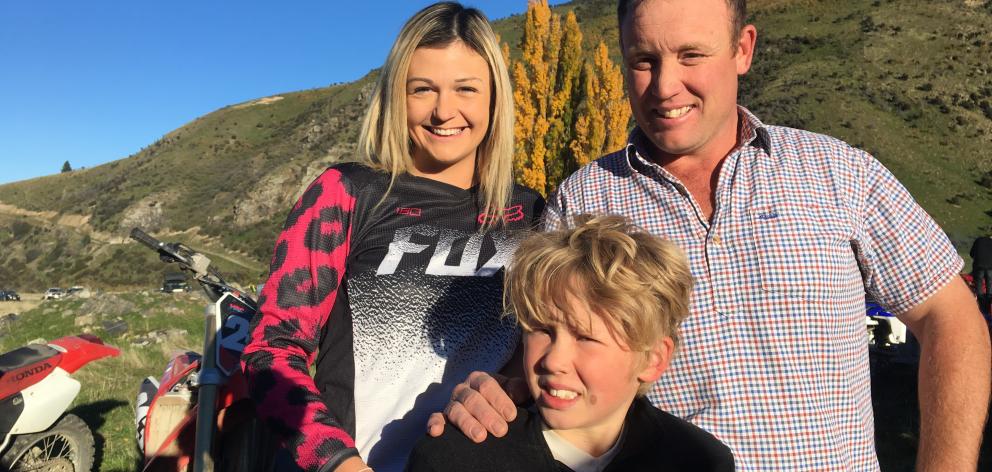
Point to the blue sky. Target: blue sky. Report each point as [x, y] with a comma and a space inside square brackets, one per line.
[93, 81]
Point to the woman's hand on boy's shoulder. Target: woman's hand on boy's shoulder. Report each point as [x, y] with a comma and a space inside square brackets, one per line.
[483, 403]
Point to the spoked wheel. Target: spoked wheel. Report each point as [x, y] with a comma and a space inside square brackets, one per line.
[65, 447]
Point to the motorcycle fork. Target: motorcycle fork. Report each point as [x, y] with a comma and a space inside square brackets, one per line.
[210, 379]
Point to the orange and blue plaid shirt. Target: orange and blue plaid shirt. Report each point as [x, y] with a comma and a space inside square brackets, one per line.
[774, 360]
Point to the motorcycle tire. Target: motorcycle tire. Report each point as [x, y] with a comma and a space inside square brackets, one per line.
[65, 447]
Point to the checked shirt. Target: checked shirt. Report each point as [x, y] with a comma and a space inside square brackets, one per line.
[774, 360]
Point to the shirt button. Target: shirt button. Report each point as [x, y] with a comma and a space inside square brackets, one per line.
[716, 240]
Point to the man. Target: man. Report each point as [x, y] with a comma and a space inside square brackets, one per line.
[785, 231]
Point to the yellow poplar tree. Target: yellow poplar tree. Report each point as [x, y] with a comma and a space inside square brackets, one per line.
[565, 101]
[544, 82]
[601, 126]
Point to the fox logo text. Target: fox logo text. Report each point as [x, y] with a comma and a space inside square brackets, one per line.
[447, 239]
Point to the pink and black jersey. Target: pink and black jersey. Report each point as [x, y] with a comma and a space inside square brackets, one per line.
[397, 300]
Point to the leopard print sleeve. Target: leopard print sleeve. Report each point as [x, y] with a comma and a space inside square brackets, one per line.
[305, 273]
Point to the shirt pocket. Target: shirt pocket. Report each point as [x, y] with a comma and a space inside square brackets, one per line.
[804, 251]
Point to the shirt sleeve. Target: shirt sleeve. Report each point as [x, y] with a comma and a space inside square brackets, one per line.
[553, 217]
[304, 276]
[904, 255]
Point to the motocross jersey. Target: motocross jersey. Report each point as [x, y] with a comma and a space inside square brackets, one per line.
[402, 299]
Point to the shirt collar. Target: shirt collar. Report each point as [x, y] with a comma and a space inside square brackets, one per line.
[575, 458]
[752, 133]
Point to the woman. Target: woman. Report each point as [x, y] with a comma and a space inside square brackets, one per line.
[390, 269]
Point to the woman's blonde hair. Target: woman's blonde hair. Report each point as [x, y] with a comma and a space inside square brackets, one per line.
[384, 143]
[638, 283]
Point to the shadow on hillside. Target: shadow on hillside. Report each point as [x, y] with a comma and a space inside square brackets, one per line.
[897, 424]
[95, 415]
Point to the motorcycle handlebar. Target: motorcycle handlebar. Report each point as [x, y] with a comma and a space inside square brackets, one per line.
[169, 252]
[187, 259]
[142, 237]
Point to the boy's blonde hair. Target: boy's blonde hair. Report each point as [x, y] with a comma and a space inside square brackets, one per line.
[640, 284]
[384, 142]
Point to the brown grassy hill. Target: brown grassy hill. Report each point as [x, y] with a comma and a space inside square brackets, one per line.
[908, 80]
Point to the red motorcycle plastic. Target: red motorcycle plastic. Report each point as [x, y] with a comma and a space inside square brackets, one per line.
[36, 388]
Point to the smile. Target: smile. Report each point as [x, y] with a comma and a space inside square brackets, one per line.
[563, 394]
[674, 113]
[445, 132]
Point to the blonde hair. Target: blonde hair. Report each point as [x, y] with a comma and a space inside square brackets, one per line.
[639, 284]
[384, 142]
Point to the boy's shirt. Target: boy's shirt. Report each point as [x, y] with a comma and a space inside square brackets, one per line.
[654, 440]
[576, 459]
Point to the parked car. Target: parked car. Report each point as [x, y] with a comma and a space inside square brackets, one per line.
[54, 293]
[9, 296]
[175, 282]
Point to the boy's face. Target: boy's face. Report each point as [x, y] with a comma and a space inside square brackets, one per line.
[584, 380]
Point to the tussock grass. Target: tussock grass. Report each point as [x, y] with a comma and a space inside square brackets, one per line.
[109, 385]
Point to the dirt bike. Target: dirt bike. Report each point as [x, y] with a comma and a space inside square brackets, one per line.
[36, 388]
[888, 338]
[198, 416]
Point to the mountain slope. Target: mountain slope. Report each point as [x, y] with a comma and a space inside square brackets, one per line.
[908, 80]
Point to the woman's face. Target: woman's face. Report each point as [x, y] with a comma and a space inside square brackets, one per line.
[448, 93]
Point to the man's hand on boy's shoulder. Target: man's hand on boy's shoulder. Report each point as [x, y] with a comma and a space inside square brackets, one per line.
[483, 403]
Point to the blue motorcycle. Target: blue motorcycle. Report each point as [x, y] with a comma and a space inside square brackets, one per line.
[888, 338]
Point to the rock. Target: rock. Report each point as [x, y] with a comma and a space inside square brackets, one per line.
[146, 213]
[174, 333]
[268, 197]
[109, 305]
[115, 327]
[85, 320]
[38, 341]
[6, 322]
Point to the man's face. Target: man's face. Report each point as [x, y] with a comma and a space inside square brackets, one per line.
[681, 70]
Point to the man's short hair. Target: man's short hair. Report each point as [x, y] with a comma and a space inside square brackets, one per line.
[738, 15]
[640, 284]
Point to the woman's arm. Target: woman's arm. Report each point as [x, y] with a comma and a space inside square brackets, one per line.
[306, 271]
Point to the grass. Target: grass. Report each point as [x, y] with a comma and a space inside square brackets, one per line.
[109, 385]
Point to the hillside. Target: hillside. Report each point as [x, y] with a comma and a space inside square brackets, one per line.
[908, 80]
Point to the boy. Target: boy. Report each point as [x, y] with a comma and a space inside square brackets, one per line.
[600, 306]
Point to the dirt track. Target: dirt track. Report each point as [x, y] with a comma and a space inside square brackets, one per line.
[28, 301]
[80, 224]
